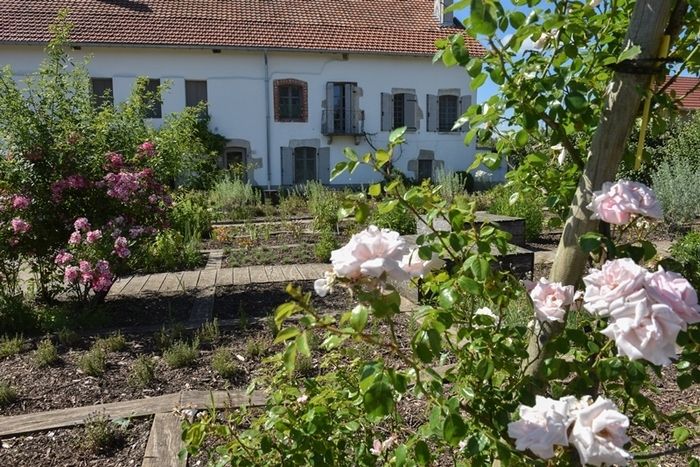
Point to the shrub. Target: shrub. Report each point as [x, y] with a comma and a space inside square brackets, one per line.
[169, 251]
[254, 348]
[46, 354]
[16, 314]
[166, 337]
[189, 215]
[209, 332]
[224, 363]
[292, 205]
[100, 434]
[182, 354]
[686, 252]
[399, 219]
[451, 183]
[323, 205]
[304, 366]
[142, 372]
[94, 362]
[233, 199]
[325, 245]
[114, 343]
[10, 346]
[68, 338]
[677, 185]
[7, 394]
[527, 206]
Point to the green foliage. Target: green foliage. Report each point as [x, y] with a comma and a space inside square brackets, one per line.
[323, 205]
[529, 207]
[10, 346]
[189, 215]
[676, 183]
[16, 315]
[114, 343]
[223, 362]
[398, 219]
[93, 362]
[452, 184]
[232, 198]
[209, 332]
[142, 374]
[166, 336]
[102, 435]
[168, 251]
[68, 338]
[46, 354]
[292, 205]
[255, 347]
[325, 245]
[8, 395]
[182, 354]
[686, 252]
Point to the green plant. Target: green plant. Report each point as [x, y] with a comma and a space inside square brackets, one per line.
[323, 205]
[325, 245]
[232, 198]
[114, 343]
[142, 372]
[223, 361]
[168, 251]
[45, 354]
[209, 332]
[7, 394]
[182, 354]
[166, 336]
[686, 252]
[189, 215]
[292, 205]
[254, 347]
[93, 362]
[527, 206]
[68, 338]
[101, 434]
[451, 183]
[17, 315]
[10, 346]
[398, 219]
[304, 366]
[676, 183]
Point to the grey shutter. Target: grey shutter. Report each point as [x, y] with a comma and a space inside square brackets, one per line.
[324, 165]
[387, 112]
[350, 121]
[464, 103]
[410, 111]
[432, 109]
[287, 165]
[328, 111]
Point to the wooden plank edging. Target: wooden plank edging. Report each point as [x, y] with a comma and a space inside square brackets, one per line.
[164, 442]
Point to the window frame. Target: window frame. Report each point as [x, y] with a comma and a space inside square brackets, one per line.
[156, 111]
[278, 85]
[100, 97]
[309, 157]
[446, 122]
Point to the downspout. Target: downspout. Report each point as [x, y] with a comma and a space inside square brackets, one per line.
[268, 136]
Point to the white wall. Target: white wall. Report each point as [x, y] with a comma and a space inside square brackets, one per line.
[236, 90]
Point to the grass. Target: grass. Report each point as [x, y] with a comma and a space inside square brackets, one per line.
[46, 354]
[94, 362]
[254, 347]
[10, 346]
[7, 394]
[224, 363]
[114, 343]
[167, 336]
[263, 255]
[142, 374]
[101, 434]
[182, 354]
[209, 333]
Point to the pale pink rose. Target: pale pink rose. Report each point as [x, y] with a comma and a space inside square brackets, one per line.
[380, 447]
[551, 300]
[542, 426]
[81, 224]
[102, 284]
[93, 236]
[20, 226]
[615, 281]
[675, 291]
[102, 267]
[417, 267]
[20, 202]
[617, 202]
[75, 238]
[147, 148]
[63, 258]
[373, 252]
[71, 274]
[644, 330]
[599, 433]
[121, 247]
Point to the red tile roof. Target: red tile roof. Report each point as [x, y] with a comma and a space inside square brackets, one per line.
[686, 90]
[405, 27]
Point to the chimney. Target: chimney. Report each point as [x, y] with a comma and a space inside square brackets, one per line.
[445, 19]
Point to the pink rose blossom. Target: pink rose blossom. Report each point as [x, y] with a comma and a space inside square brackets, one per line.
[76, 182]
[417, 267]
[13, 241]
[81, 224]
[147, 148]
[373, 252]
[102, 284]
[542, 426]
[75, 238]
[550, 300]
[71, 274]
[121, 247]
[599, 433]
[644, 330]
[617, 202]
[20, 202]
[380, 447]
[63, 258]
[93, 236]
[615, 281]
[675, 291]
[115, 161]
[20, 226]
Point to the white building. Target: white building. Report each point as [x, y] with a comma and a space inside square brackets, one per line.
[289, 83]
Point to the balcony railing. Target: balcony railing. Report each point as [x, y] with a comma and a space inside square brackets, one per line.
[339, 122]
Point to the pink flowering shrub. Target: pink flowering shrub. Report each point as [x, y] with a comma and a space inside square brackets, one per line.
[618, 202]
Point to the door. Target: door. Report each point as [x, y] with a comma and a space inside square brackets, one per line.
[305, 164]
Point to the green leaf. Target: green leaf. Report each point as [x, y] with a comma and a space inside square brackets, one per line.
[422, 453]
[575, 101]
[284, 311]
[517, 18]
[590, 241]
[379, 399]
[358, 317]
[680, 435]
[684, 381]
[454, 429]
[286, 334]
[339, 168]
[400, 455]
[629, 54]
[302, 342]
[483, 17]
[474, 67]
[448, 297]
[375, 190]
[521, 138]
[478, 81]
[290, 358]
[396, 136]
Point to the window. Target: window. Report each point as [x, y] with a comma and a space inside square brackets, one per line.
[155, 111]
[304, 164]
[425, 169]
[234, 156]
[399, 109]
[341, 116]
[103, 90]
[290, 100]
[447, 113]
[195, 92]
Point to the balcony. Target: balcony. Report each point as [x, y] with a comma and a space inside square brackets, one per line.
[343, 123]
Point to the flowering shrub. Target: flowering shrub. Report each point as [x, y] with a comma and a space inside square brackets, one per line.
[14, 233]
[464, 363]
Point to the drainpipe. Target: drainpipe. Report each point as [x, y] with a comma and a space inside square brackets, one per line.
[268, 136]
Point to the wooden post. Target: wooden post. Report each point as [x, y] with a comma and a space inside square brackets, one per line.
[621, 105]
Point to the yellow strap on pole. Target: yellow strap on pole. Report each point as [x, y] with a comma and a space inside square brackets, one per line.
[663, 53]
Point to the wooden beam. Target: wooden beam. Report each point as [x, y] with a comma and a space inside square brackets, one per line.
[164, 442]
